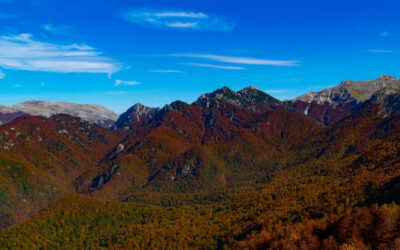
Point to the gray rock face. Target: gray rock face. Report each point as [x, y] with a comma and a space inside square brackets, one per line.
[388, 100]
[94, 114]
[246, 98]
[351, 91]
[136, 113]
[331, 105]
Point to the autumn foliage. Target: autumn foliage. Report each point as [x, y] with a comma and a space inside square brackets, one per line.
[194, 177]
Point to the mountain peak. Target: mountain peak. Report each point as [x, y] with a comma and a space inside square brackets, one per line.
[135, 113]
[224, 90]
[248, 98]
[138, 106]
[350, 91]
[386, 78]
[251, 88]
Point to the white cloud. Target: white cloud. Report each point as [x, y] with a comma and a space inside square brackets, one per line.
[116, 92]
[126, 83]
[181, 14]
[216, 66]
[240, 60]
[166, 71]
[182, 25]
[176, 19]
[24, 53]
[380, 51]
[2, 75]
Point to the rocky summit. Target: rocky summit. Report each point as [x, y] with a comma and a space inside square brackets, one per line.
[333, 104]
[136, 113]
[247, 98]
[351, 91]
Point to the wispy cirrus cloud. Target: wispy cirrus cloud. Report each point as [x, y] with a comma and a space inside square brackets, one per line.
[22, 52]
[126, 83]
[205, 65]
[166, 71]
[380, 51]
[176, 19]
[240, 60]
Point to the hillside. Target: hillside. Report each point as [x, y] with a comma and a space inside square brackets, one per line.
[235, 169]
[349, 167]
[40, 157]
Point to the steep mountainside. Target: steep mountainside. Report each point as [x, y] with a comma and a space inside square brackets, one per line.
[309, 203]
[41, 157]
[232, 170]
[333, 104]
[94, 114]
[190, 146]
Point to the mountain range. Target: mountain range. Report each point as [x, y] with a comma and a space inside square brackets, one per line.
[94, 114]
[326, 106]
[234, 169]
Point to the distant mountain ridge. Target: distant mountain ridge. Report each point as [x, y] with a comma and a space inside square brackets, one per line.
[350, 91]
[325, 107]
[91, 113]
[333, 104]
[250, 98]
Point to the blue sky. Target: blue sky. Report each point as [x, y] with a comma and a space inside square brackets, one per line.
[117, 53]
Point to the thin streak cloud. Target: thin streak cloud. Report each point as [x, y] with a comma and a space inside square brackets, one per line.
[380, 51]
[241, 60]
[215, 66]
[166, 71]
[126, 83]
[176, 19]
